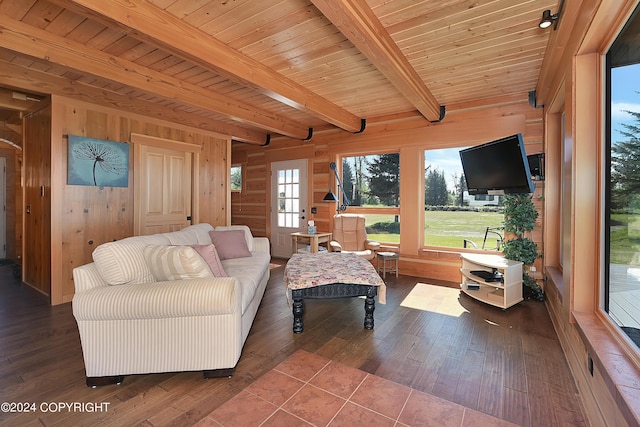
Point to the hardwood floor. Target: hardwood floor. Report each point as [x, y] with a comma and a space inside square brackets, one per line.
[428, 336]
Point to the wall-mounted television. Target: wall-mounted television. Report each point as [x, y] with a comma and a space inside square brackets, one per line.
[497, 167]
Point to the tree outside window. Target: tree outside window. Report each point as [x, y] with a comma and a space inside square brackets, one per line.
[236, 178]
[373, 182]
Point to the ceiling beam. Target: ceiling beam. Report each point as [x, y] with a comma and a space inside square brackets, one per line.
[23, 38]
[175, 36]
[358, 23]
[38, 81]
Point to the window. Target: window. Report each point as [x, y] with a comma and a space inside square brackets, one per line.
[372, 186]
[622, 203]
[452, 217]
[289, 198]
[564, 251]
[236, 178]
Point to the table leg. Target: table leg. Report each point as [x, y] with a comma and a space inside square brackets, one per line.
[298, 311]
[369, 307]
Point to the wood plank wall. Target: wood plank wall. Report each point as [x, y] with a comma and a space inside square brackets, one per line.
[469, 125]
[84, 217]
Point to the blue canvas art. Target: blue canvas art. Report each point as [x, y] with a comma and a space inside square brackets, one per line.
[97, 162]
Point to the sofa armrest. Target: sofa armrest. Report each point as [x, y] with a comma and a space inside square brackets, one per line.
[372, 244]
[87, 277]
[261, 244]
[177, 298]
[335, 246]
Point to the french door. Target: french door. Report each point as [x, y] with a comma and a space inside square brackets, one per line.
[289, 188]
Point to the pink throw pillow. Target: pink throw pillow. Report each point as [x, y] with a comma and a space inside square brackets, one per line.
[230, 243]
[210, 256]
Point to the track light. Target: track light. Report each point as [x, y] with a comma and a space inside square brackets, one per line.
[548, 18]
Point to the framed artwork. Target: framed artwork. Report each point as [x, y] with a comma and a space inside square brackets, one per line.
[97, 162]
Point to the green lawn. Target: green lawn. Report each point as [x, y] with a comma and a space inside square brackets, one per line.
[625, 239]
[444, 228]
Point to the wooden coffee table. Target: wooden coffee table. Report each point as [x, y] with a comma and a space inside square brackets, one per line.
[332, 275]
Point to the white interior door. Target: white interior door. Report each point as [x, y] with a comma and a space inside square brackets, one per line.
[163, 188]
[288, 204]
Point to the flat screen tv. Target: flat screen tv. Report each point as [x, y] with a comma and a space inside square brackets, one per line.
[497, 167]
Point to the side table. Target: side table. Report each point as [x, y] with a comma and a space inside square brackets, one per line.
[392, 259]
[313, 239]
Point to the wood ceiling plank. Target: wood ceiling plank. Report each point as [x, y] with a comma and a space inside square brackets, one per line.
[104, 39]
[240, 16]
[14, 75]
[84, 32]
[275, 19]
[200, 48]
[360, 25]
[41, 14]
[16, 9]
[212, 10]
[40, 44]
[393, 12]
[64, 23]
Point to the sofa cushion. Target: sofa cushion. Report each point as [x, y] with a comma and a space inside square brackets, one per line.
[197, 234]
[210, 256]
[247, 233]
[175, 263]
[249, 272]
[230, 243]
[122, 261]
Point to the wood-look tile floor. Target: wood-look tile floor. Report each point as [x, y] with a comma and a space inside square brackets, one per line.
[428, 337]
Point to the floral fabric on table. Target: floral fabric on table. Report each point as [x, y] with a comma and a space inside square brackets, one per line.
[308, 270]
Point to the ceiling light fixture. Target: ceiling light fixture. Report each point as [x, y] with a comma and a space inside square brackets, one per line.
[548, 18]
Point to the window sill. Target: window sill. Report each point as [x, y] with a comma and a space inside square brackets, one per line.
[620, 374]
[554, 274]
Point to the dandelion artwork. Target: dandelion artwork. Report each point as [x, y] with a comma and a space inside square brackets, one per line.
[97, 162]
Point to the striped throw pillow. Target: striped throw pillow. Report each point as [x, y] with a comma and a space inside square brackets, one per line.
[175, 263]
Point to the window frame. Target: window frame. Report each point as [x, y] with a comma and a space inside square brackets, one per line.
[234, 190]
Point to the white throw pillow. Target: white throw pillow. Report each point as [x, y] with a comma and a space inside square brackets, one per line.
[176, 263]
[123, 262]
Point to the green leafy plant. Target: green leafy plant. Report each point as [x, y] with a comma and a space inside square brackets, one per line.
[520, 218]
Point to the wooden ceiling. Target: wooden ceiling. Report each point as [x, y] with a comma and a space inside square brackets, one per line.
[254, 69]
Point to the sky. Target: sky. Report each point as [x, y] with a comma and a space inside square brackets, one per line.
[446, 160]
[625, 88]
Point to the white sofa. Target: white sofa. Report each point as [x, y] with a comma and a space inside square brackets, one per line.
[131, 324]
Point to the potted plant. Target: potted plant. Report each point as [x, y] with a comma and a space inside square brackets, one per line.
[519, 218]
